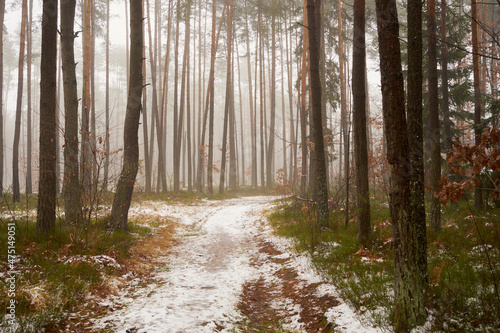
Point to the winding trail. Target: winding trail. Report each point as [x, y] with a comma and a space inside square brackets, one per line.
[228, 273]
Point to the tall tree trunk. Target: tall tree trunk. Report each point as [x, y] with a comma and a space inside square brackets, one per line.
[233, 163]
[224, 135]
[177, 120]
[343, 108]
[188, 102]
[321, 184]
[154, 110]
[17, 130]
[408, 289]
[262, 102]
[478, 193]
[272, 84]
[192, 136]
[93, 126]
[147, 155]
[208, 113]
[127, 47]
[29, 42]
[106, 111]
[242, 119]
[163, 118]
[444, 79]
[2, 16]
[123, 195]
[283, 116]
[415, 131]
[145, 128]
[252, 110]
[435, 146]
[71, 184]
[180, 122]
[210, 190]
[303, 105]
[229, 105]
[201, 87]
[293, 141]
[86, 151]
[46, 212]
[359, 119]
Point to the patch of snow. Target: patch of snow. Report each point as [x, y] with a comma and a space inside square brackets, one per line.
[102, 260]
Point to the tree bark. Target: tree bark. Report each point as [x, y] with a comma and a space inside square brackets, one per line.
[86, 151]
[210, 189]
[29, 44]
[123, 195]
[321, 183]
[478, 193]
[188, 102]
[233, 173]
[72, 203]
[303, 105]
[106, 133]
[261, 99]
[283, 116]
[242, 119]
[145, 129]
[444, 79]
[46, 212]
[16, 195]
[343, 109]
[435, 146]
[272, 84]
[359, 119]
[408, 289]
[177, 120]
[229, 107]
[293, 141]
[209, 110]
[415, 131]
[154, 110]
[252, 110]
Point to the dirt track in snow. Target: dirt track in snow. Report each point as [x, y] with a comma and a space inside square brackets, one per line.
[227, 273]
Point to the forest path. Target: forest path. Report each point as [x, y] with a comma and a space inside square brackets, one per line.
[228, 273]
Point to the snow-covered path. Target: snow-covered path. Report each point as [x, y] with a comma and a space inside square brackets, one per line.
[226, 253]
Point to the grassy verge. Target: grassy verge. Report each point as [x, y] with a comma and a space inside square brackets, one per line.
[461, 292]
[55, 275]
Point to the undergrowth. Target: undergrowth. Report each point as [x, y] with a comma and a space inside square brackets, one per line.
[461, 296]
[55, 273]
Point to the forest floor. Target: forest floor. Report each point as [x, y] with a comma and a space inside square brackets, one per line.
[215, 266]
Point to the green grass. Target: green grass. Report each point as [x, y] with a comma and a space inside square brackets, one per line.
[49, 285]
[461, 294]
